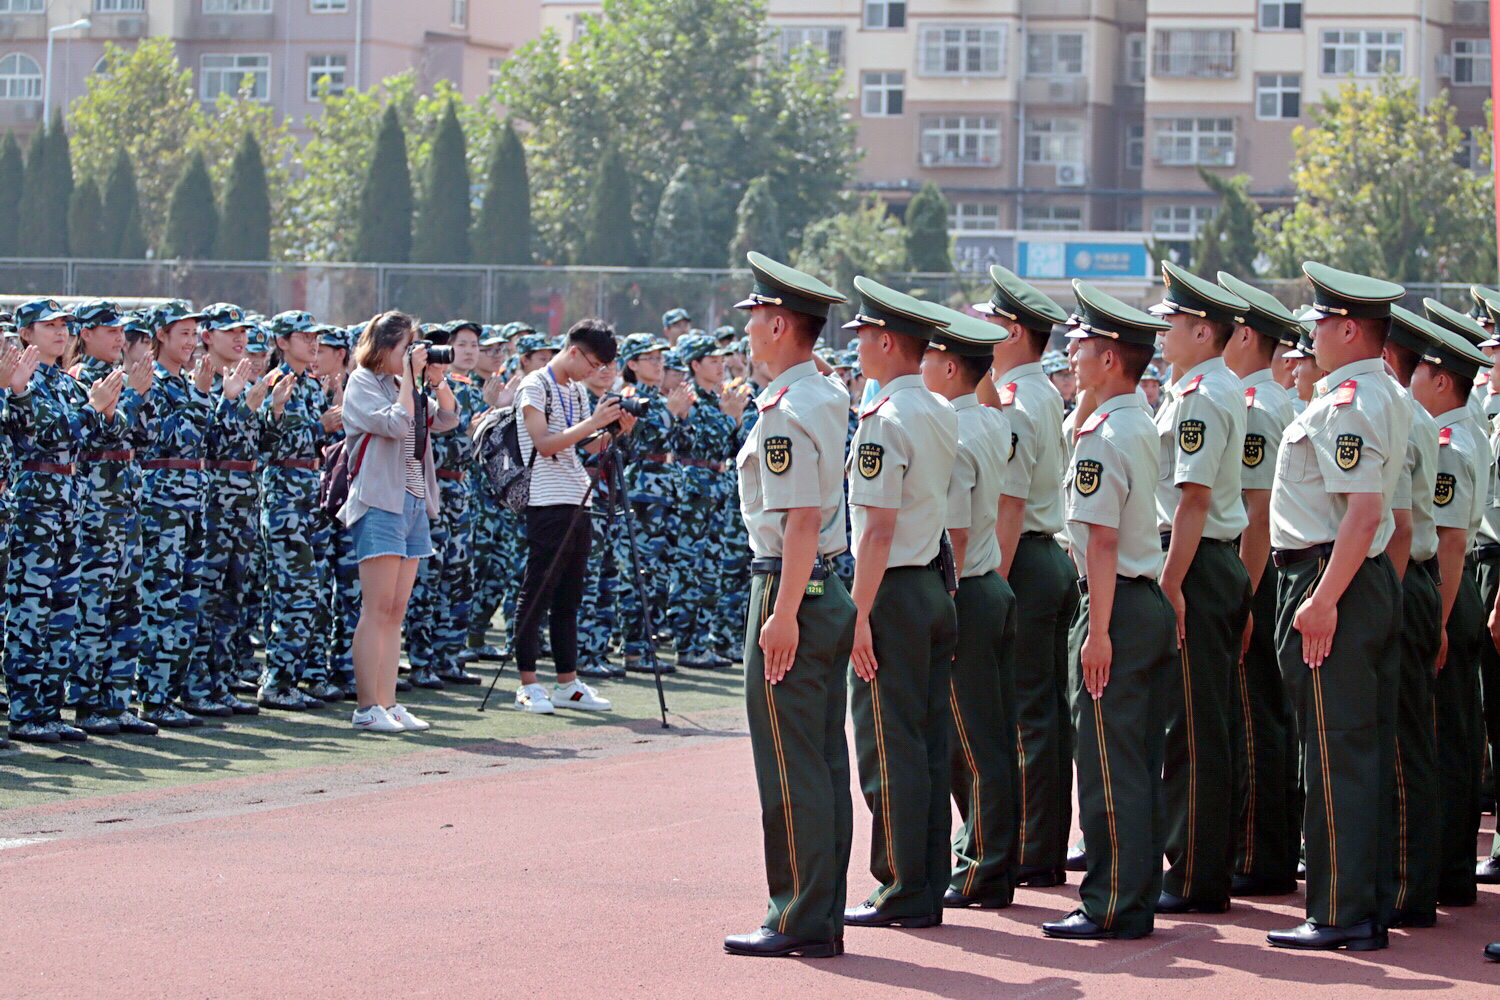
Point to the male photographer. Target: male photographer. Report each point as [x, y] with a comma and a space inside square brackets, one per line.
[556, 416]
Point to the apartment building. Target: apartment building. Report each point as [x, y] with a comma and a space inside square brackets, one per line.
[1092, 115]
[282, 47]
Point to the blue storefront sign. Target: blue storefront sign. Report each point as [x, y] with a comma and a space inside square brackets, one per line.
[1059, 259]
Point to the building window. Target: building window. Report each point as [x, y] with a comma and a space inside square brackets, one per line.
[974, 217]
[497, 66]
[224, 73]
[1281, 15]
[1278, 95]
[236, 6]
[884, 94]
[20, 78]
[458, 13]
[1054, 140]
[1185, 142]
[963, 50]
[1471, 61]
[23, 6]
[885, 13]
[119, 6]
[1135, 58]
[335, 67]
[1362, 53]
[961, 141]
[787, 40]
[1054, 53]
[1052, 218]
[1207, 54]
[1181, 221]
[328, 6]
[1135, 147]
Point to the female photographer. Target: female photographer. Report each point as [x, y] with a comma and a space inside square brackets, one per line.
[393, 495]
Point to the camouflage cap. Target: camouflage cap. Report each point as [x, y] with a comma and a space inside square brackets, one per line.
[530, 343]
[726, 332]
[673, 316]
[491, 336]
[672, 360]
[162, 316]
[849, 359]
[137, 326]
[39, 311]
[1054, 363]
[1151, 374]
[333, 336]
[465, 324]
[284, 324]
[516, 328]
[428, 329]
[97, 312]
[224, 316]
[692, 348]
[256, 341]
[640, 344]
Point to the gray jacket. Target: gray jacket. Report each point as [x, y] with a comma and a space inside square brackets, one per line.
[372, 409]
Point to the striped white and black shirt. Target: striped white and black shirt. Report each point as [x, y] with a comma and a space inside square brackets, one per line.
[560, 479]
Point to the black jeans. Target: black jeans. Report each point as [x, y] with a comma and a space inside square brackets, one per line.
[545, 531]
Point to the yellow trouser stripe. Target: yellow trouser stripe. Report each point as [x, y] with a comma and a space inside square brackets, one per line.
[1250, 770]
[1025, 794]
[1109, 811]
[885, 790]
[976, 813]
[1401, 886]
[1192, 742]
[786, 792]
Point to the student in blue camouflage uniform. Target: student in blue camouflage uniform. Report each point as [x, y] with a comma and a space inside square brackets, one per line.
[248, 634]
[437, 617]
[297, 423]
[734, 580]
[489, 546]
[231, 450]
[49, 418]
[846, 367]
[108, 639]
[341, 565]
[178, 415]
[598, 612]
[710, 438]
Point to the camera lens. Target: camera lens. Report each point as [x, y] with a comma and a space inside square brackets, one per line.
[440, 354]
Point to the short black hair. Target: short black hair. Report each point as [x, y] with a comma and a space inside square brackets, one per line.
[1463, 386]
[1265, 347]
[595, 336]
[1222, 332]
[1403, 359]
[973, 368]
[1038, 340]
[807, 327]
[1379, 326]
[1134, 358]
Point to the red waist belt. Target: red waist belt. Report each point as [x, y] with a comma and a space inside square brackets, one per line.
[179, 464]
[297, 463]
[52, 467]
[107, 456]
[230, 465]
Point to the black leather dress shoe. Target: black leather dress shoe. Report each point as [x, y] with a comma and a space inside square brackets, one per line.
[954, 898]
[1076, 926]
[1492, 952]
[1308, 936]
[1256, 885]
[1487, 872]
[865, 915]
[766, 943]
[1039, 876]
[1413, 918]
[1169, 903]
[1077, 860]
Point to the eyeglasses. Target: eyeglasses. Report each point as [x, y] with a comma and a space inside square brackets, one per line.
[491, 352]
[595, 364]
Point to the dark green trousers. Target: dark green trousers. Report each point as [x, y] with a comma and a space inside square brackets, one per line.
[1120, 740]
[1045, 585]
[1264, 739]
[985, 772]
[1346, 713]
[802, 761]
[1460, 740]
[1199, 771]
[1417, 790]
[1486, 575]
[901, 721]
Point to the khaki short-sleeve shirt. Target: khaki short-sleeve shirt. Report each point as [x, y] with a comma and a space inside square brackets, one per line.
[1268, 409]
[1034, 408]
[1111, 483]
[974, 488]
[1201, 427]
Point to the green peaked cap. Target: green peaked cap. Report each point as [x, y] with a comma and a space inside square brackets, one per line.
[893, 311]
[1185, 293]
[776, 284]
[967, 334]
[1265, 315]
[1451, 319]
[1345, 294]
[1436, 344]
[1103, 315]
[1015, 300]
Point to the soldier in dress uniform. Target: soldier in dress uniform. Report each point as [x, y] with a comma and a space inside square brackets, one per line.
[1339, 610]
[1038, 572]
[1123, 650]
[905, 626]
[801, 626]
[1263, 727]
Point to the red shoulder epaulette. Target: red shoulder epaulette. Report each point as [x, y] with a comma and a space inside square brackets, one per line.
[1445, 436]
[463, 379]
[1483, 378]
[1191, 386]
[1008, 394]
[763, 407]
[1093, 422]
[1345, 394]
[1250, 396]
[872, 409]
[76, 370]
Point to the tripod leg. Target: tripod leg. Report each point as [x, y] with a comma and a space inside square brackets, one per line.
[615, 466]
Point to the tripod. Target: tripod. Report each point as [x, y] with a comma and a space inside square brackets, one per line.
[611, 470]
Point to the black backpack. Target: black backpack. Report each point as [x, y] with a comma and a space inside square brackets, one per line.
[337, 473]
[497, 448]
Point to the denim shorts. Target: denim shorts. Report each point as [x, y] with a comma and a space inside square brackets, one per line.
[381, 533]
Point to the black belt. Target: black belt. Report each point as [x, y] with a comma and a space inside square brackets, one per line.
[1431, 566]
[1166, 541]
[772, 564]
[1083, 581]
[1282, 558]
[1489, 550]
[1037, 534]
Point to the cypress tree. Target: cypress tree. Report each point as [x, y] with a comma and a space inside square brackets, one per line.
[86, 220]
[12, 176]
[33, 196]
[609, 230]
[757, 224]
[122, 235]
[677, 238]
[385, 203]
[245, 224]
[442, 235]
[192, 218]
[59, 186]
[503, 233]
[927, 231]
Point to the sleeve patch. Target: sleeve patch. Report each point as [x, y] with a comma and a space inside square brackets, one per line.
[870, 458]
[1442, 493]
[1255, 450]
[1190, 435]
[1346, 450]
[778, 455]
[1014, 439]
[1087, 476]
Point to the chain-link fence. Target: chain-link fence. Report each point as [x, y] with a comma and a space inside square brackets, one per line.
[550, 298]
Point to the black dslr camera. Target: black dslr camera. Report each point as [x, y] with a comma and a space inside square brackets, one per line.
[633, 405]
[437, 354]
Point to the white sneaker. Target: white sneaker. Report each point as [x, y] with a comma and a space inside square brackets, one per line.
[406, 719]
[579, 695]
[376, 719]
[533, 698]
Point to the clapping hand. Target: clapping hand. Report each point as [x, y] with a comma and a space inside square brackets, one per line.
[25, 367]
[332, 419]
[140, 374]
[282, 393]
[235, 379]
[105, 393]
[9, 359]
[203, 374]
[256, 394]
[680, 400]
